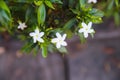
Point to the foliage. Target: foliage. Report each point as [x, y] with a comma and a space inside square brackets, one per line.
[50, 17]
[111, 8]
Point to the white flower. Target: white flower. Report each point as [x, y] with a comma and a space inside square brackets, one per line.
[21, 26]
[37, 36]
[86, 29]
[90, 1]
[59, 41]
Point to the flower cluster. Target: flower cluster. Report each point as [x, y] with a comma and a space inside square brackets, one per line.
[46, 25]
[59, 40]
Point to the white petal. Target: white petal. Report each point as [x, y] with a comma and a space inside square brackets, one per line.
[41, 34]
[84, 25]
[19, 27]
[89, 25]
[91, 30]
[95, 1]
[34, 40]
[55, 40]
[64, 43]
[58, 45]
[64, 36]
[32, 34]
[40, 40]
[81, 30]
[90, 1]
[37, 31]
[85, 34]
[58, 35]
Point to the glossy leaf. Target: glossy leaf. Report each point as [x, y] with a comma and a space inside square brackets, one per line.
[44, 50]
[41, 14]
[49, 4]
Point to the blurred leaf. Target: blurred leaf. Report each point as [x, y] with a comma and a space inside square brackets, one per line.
[82, 38]
[28, 47]
[75, 11]
[111, 3]
[62, 50]
[28, 13]
[117, 3]
[117, 18]
[38, 3]
[35, 50]
[41, 14]
[4, 18]
[96, 12]
[4, 6]
[23, 1]
[49, 4]
[56, 1]
[82, 3]
[69, 24]
[44, 50]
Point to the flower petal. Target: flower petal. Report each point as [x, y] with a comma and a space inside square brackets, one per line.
[64, 36]
[40, 40]
[81, 30]
[64, 43]
[89, 25]
[85, 34]
[91, 30]
[58, 45]
[84, 25]
[41, 34]
[34, 39]
[58, 35]
[32, 34]
[37, 31]
[55, 40]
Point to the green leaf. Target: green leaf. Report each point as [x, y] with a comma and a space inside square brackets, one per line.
[111, 4]
[82, 38]
[23, 1]
[117, 3]
[27, 47]
[75, 11]
[69, 24]
[41, 14]
[62, 50]
[44, 50]
[96, 12]
[56, 1]
[38, 3]
[4, 6]
[117, 18]
[82, 3]
[4, 17]
[35, 50]
[49, 4]
[28, 13]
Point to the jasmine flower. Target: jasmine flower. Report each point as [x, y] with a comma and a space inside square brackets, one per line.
[86, 29]
[59, 41]
[37, 36]
[21, 26]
